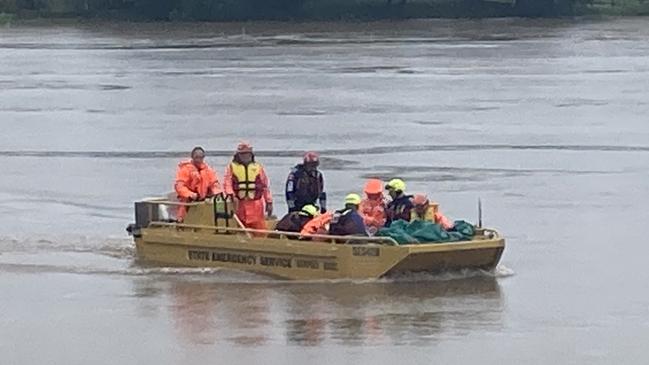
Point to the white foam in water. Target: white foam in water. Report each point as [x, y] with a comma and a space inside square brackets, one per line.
[502, 271]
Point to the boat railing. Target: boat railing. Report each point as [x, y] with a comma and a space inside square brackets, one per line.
[323, 238]
[158, 209]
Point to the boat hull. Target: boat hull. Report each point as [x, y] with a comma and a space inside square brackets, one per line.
[309, 260]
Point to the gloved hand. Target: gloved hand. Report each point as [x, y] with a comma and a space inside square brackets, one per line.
[269, 209]
[193, 197]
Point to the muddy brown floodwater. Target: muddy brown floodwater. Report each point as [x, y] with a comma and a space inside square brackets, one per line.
[546, 121]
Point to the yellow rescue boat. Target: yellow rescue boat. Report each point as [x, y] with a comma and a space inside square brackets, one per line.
[210, 236]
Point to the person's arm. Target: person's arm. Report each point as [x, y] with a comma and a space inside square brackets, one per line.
[182, 183]
[227, 181]
[361, 229]
[215, 188]
[322, 199]
[443, 221]
[267, 195]
[407, 211]
[290, 189]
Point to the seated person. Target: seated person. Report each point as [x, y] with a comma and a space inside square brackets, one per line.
[401, 204]
[424, 210]
[347, 221]
[295, 221]
[317, 225]
[372, 207]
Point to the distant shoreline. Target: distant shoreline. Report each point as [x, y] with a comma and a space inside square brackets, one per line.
[308, 10]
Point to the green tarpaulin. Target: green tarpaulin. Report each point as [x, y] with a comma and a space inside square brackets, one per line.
[426, 232]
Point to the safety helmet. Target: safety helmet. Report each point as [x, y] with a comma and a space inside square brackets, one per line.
[396, 184]
[352, 198]
[311, 157]
[420, 200]
[311, 210]
[244, 147]
[373, 186]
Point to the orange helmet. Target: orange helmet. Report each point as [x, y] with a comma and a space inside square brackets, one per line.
[244, 147]
[420, 200]
[373, 186]
[311, 157]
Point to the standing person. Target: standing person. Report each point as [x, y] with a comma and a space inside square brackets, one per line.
[347, 221]
[305, 185]
[372, 207]
[246, 180]
[401, 205]
[195, 181]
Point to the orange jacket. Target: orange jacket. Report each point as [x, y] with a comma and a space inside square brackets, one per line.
[201, 180]
[229, 181]
[318, 225]
[373, 212]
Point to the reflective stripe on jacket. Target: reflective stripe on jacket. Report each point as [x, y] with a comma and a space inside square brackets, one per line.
[247, 182]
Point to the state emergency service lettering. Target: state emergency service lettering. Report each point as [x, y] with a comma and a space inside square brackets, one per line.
[234, 258]
[275, 261]
[366, 251]
[197, 255]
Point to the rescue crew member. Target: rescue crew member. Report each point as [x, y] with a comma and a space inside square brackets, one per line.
[347, 221]
[372, 207]
[424, 210]
[401, 205]
[246, 180]
[295, 221]
[305, 185]
[195, 181]
[318, 225]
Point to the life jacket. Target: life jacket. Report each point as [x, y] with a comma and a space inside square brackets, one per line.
[432, 215]
[308, 185]
[346, 222]
[246, 181]
[429, 215]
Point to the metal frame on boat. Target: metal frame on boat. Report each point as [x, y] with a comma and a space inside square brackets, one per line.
[205, 239]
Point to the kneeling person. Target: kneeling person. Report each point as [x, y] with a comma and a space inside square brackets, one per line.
[347, 221]
[295, 221]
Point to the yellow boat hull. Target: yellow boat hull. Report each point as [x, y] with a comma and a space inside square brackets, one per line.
[197, 244]
[308, 260]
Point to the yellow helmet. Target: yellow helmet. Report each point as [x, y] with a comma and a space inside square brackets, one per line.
[353, 199]
[396, 184]
[310, 209]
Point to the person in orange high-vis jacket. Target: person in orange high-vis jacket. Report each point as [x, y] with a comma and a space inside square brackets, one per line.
[195, 181]
[246, 180]
[372, 207]
[317, 225]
